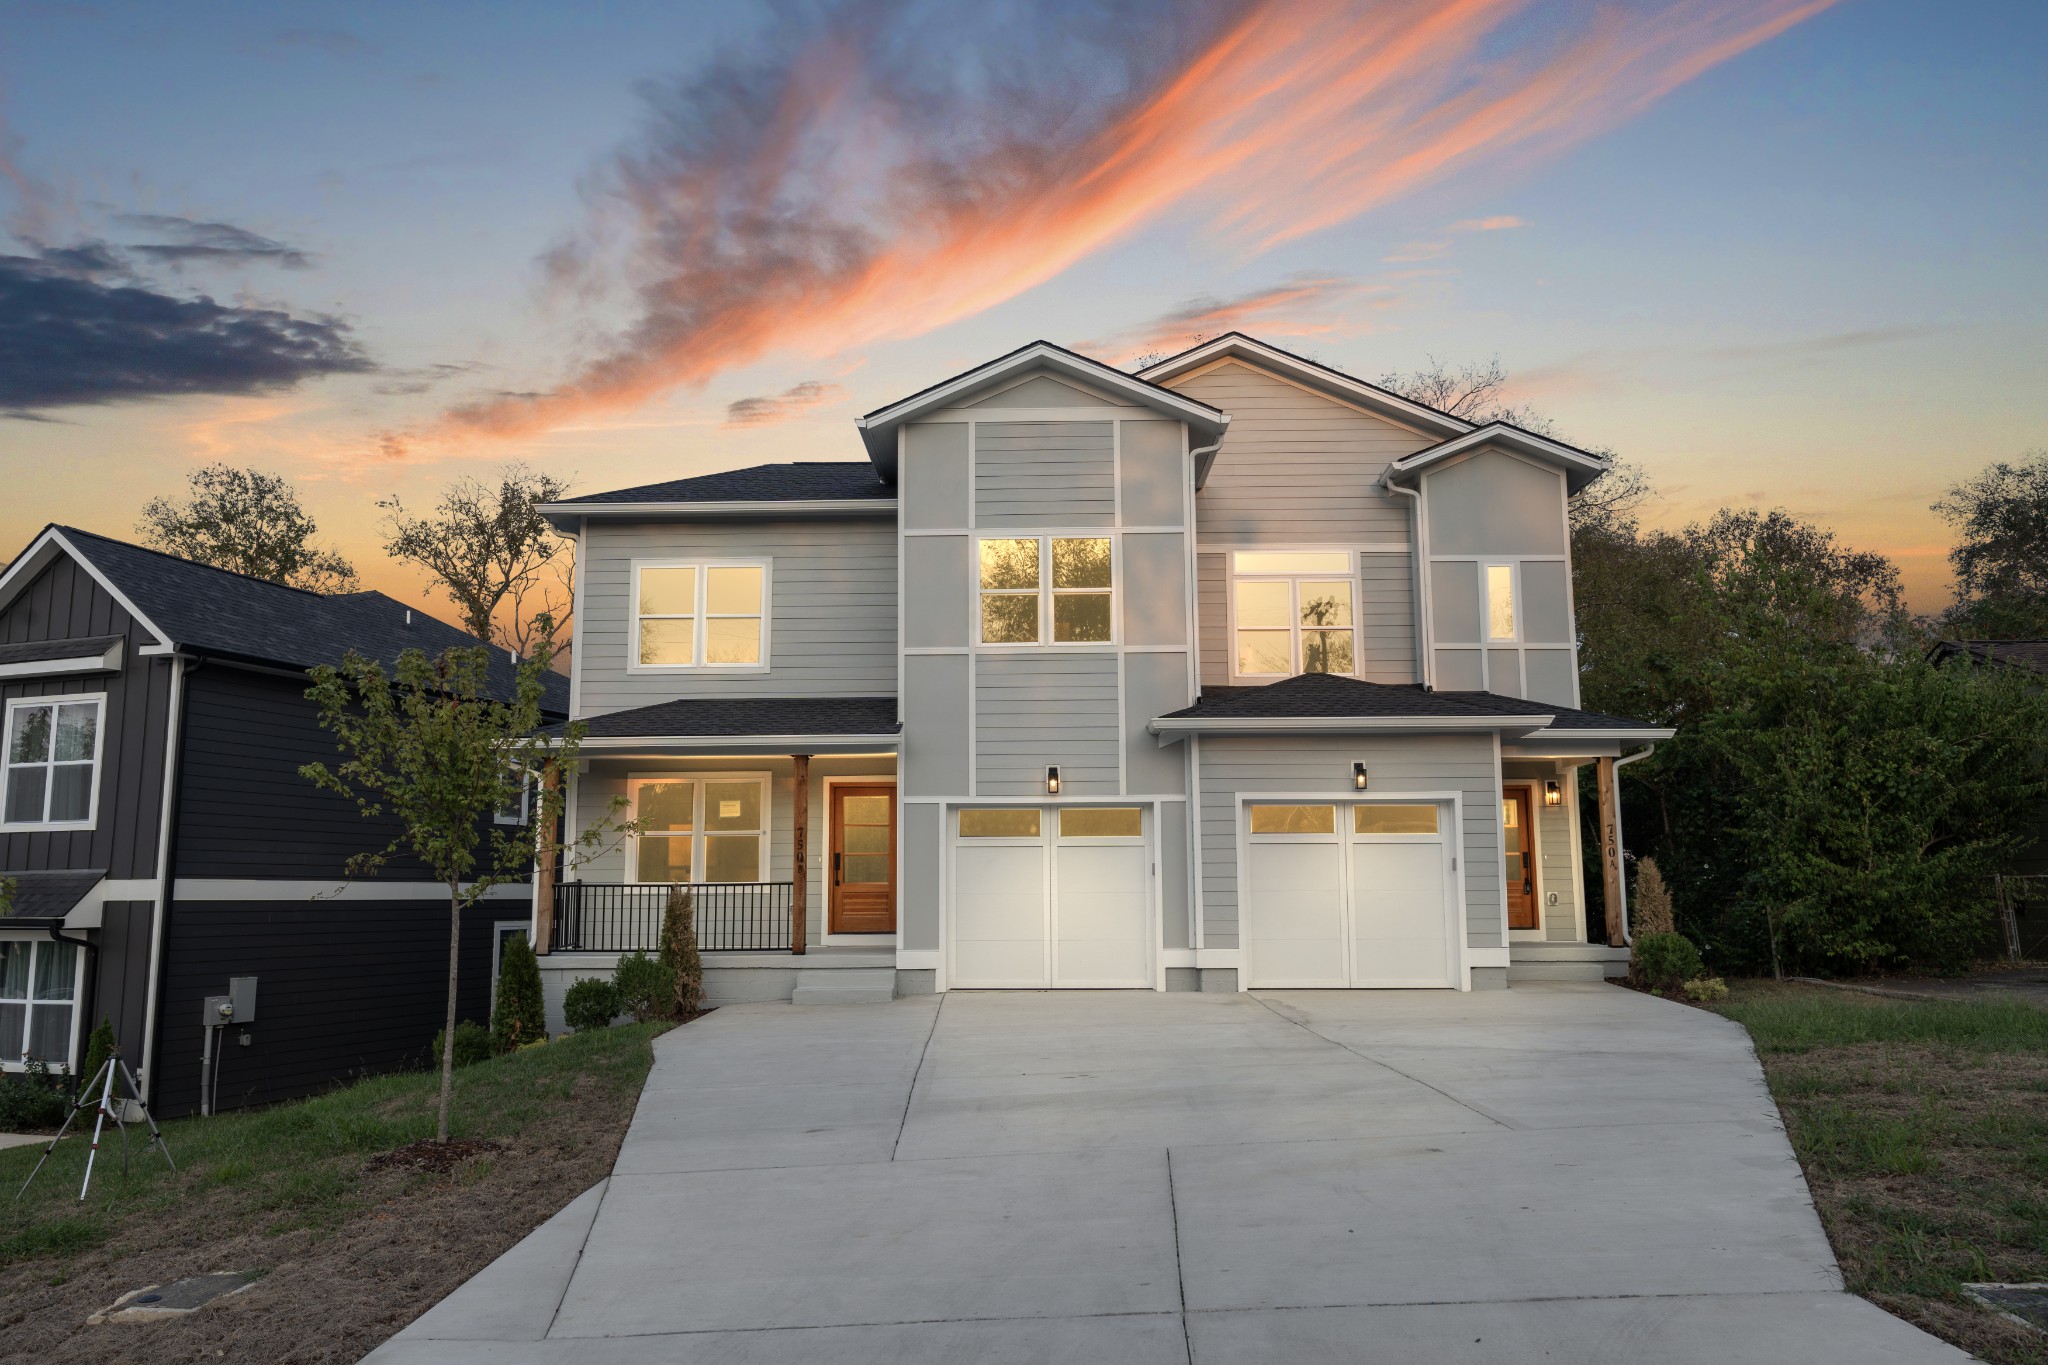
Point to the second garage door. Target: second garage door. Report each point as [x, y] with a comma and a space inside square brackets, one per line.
[1348, 894]
[1053, 896]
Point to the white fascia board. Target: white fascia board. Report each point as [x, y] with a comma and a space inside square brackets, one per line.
[1306, 372]
[106, 661]
[563, 515]
[1513, 438]
[782, 743]
[38, 555]
[1347, 724]
[1646, 734]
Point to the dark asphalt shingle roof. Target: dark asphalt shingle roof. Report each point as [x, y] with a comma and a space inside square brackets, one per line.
[50, 895]
[212, 611]
[819, 482]
[1312, 696]
[740, 717]
[78, 647]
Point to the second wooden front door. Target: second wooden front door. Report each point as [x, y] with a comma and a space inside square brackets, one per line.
[1518, 833]
[862, 871]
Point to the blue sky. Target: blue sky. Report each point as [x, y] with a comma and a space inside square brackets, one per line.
[1810, 276]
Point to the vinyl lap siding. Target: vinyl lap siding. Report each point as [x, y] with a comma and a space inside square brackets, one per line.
[1046, 707]
[1212, 584]
[1233, 768]
[1386, 618]
[1554, 835]
[1035, 475]
[832, 614]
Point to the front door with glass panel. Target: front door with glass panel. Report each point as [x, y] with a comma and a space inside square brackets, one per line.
[1055, 896]
[863, 859]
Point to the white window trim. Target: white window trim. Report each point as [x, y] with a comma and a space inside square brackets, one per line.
[10, 1060]
[99, 745]
[698, 833]
[1046, 589]
[1232, 578]
[510, 820]
[701, 615]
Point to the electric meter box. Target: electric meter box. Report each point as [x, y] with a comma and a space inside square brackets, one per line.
[242, 997]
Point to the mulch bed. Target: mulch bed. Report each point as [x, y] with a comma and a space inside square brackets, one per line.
[438, 1157]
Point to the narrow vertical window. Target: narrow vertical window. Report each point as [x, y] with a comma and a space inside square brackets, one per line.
[1009, 592]
[1500, 601]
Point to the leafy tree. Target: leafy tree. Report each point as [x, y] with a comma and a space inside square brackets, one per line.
[248, 522]
[489, 546]
[2000, 557]
[430, 746]
[519, 1014]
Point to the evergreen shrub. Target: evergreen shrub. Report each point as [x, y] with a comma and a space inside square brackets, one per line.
[646, 987]
[519, 1015]
[591, 1002]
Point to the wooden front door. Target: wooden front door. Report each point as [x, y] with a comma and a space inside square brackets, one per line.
[1518, 834]
[863, 866]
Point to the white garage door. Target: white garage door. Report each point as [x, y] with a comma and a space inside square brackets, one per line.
[1051, 896]
[1348, 894]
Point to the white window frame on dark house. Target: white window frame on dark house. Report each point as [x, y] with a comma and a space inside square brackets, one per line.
[518, 811]
[49, 763]
[1295, 579]
[1049, 592]
[700, 616]
[700, 832]
[12, 1043]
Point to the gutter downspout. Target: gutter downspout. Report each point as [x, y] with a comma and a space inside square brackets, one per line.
[1621, 844]
[1422, 651]
[91, 992]
[167, 815]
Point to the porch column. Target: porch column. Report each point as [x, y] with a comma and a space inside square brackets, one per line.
[1613, 888]
[544, 874]
[800, 853]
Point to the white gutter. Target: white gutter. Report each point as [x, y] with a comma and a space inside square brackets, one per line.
[1621, 846]
[779, 741]
[1205, 457]
[1424, 663]
[1315, 724]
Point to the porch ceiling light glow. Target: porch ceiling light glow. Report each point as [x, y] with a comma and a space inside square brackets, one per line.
[1052, 779]
[1358, 777]
[1553, 795]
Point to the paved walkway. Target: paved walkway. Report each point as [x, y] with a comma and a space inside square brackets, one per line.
[1570, 1172]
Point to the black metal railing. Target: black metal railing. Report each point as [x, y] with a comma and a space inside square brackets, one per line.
[732, 917]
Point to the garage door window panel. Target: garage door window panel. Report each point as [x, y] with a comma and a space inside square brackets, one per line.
[1001, 822]
[1277, 819]
[1102, 822]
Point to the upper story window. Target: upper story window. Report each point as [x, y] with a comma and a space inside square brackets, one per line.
[52, 759]
[1293, 612]
[1038, 588]
[710, 614]
[1500, 602]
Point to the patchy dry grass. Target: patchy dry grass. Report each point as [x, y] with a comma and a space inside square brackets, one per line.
[1923, 1130]
[350, 1249]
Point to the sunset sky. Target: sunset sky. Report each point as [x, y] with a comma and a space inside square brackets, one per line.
[1782, 252]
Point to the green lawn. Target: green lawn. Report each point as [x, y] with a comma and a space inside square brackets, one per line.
[1923, 1130]
[288, 1192]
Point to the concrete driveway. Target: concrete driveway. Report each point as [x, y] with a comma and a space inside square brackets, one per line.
[1577, 1173]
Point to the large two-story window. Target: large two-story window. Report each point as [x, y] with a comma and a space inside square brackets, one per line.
[38, 996]
[1292, 612]
[51, 763]
[1040, 588]
[700, 827]
[707, 614]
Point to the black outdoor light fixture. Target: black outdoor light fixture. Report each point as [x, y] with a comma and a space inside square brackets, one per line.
[1552, 794]
[1358, 777]
[1052, 779]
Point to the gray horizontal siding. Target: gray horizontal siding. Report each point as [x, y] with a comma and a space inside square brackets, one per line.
[1212, 584]
[1386, 618]
[832, 614]
[1036, 475]
[1233, 768]
[1045, 707]
[1296, 467]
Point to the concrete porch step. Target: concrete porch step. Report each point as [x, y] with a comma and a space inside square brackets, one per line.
[1565, 962]
[846, 986]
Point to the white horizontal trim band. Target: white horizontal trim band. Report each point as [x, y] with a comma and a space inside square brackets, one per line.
[728, 741]
[324, 890]
[795, 508]
[1167, 724]
[50, 668]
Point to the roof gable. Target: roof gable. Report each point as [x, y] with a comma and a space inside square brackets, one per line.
[1580, 467]
[1311, 375]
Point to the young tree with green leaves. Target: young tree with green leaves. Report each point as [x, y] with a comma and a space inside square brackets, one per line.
[247, 522]
[429, 745]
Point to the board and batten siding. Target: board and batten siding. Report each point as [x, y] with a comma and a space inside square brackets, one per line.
[1236, 767]
[1042, 475]
[65, 602]
[831, 613]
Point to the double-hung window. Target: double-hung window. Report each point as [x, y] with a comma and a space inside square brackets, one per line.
[1293, 612]
[705, 615]
[38, 996]
[700, 827]
[1039, 588]
[52, 760]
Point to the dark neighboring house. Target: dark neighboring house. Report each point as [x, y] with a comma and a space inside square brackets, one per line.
[161, 840]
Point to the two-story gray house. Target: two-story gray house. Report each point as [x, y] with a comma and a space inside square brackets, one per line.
[1238, 672]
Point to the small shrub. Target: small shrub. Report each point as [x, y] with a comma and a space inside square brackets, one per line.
[646, 986]
[1704, 990]
[519, 1016]
[591, 1003]
[99, 1046]
[472, 1044]
[31, 1100]
[1663, 961]
[1651, 908]
[680, 955]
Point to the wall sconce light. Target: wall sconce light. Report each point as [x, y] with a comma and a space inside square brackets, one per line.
[1358, 777]
[1553, 795]
[1052, 780]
